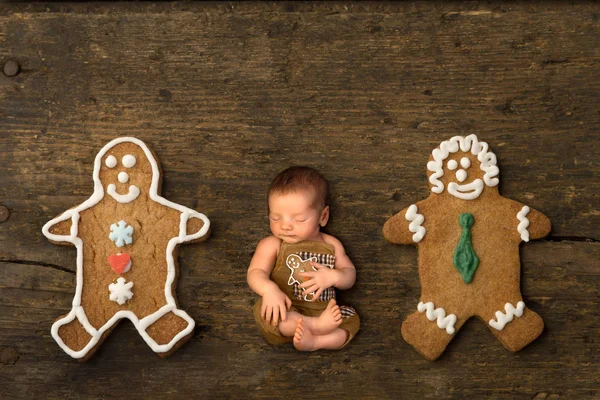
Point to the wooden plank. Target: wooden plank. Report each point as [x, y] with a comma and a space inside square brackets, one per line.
[226, 338]
[228, 94]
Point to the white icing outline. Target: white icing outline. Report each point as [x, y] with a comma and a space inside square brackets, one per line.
[523, 223]
[295, 259]
[133, 193]
[416, 220]
[443, 321]
[120, 291]
[123, 177]
[469, 191]
[111, 162]
[461, 175]
[140, 324]
[129, 161]
[477, 148]
[505, 318]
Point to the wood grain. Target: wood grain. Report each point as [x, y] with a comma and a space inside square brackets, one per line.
[227, 95]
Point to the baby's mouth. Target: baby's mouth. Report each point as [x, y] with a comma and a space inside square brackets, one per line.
[130, 196]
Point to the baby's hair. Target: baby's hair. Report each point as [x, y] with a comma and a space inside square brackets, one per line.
[297, 178]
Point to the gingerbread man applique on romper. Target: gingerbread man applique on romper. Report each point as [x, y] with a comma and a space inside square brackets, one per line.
[468, 239]
[126, 236]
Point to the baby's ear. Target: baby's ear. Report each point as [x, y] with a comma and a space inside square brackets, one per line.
[324, 216]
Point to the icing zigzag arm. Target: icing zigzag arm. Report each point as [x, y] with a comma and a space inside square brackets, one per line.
[539, 224]
[406, 227]
[531, 224]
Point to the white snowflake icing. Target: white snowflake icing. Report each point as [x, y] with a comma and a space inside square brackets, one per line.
[120, 292]
[120, 233]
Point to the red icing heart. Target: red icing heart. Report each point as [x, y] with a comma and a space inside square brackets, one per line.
[120, 262]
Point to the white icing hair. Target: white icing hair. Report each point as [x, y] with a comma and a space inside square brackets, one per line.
[486, 158]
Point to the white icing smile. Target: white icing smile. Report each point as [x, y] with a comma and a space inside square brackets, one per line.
[133, 193]
[468, 191]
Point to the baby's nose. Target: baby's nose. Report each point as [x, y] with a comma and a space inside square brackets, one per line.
[286, 226]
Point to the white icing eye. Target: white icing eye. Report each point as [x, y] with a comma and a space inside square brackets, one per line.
[129, 161]
[452, 165]
[111, 161]
[465, 162]
[461, 175]
[123, 177]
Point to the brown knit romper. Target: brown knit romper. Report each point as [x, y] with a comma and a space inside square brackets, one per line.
[281, 275]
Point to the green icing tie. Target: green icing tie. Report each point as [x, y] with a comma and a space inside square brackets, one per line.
[465, 259]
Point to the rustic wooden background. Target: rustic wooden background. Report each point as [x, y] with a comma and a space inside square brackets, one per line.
[229, 94]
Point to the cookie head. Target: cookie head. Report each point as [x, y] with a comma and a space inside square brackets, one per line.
[463, 166]
[293, 261]
[126, 170]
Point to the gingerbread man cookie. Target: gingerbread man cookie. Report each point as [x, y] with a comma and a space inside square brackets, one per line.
[468, 239]
[126, 235]
[297, 265]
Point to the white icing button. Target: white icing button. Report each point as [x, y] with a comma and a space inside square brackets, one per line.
[465, 162]
[129, 161]
[111, 161]
[461, 175]
[123, 177]
[452, 165]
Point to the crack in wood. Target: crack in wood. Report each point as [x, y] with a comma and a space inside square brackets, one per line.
[37, 263]
[571, 239]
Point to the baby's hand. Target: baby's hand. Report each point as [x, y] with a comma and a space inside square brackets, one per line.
[319, 280]
[275, 304]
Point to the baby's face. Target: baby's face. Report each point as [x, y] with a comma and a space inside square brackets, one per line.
[293, 217]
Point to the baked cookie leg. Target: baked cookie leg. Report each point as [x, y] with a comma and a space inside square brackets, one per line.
[513, 324]
[166, 327]
[71, 334]
[430, 329]
[76, 335]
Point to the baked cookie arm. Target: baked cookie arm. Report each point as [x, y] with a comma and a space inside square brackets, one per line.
[405, 227]
[529, 223]
[62, 229]
[539, 224]
[194, 226]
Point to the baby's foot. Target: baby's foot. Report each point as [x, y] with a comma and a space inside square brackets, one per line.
[304, 339]
[329, 319]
